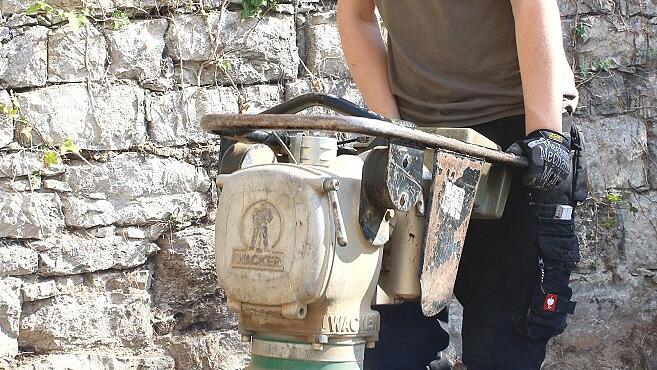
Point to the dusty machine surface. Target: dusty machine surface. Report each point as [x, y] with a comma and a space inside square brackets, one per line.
[311, 231]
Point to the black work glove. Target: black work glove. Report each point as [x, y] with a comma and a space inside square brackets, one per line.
[548, 153]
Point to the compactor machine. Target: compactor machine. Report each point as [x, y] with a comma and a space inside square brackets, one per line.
[314, 228]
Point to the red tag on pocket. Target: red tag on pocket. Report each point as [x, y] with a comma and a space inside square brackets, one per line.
[550, 302]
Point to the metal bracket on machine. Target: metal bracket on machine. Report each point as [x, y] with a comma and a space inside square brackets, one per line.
[452, 193]
[392, 179]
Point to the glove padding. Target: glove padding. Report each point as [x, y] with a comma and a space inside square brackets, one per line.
[548, 154]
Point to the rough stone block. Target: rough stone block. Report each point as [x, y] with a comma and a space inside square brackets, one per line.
[132, 175]
[260, 97]
[86, 320]
[23, 60]
[572, 7]
[611, 41]
[188, 38]
[640, 230]
[161, 210]
[98, 360]
[620, 93]
[19, 185]
[185, 267]
[244, 51]
[618, 163]
[30, 215]
[170, 209]
[604, 96]
[652, 153]
[208, 351]
[86, 213]
[24, 163]
[20, 20]
[34, 291]
[10, 312]
[76, 56]
[186, 287]
[323, 51]
[131, 7]
[647, 8]
[17, 260]
[135, 51]
[104, 118]
[611, 328]
[174, 118]
[68, 254]
[6, 124]
[12, 6]
[150, 232]
[135, 189]
[37, 287]
[56, 185]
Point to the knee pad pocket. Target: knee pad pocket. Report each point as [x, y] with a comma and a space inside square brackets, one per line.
[550, 302]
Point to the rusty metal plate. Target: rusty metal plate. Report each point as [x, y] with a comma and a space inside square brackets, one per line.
[452, 194]
[392, 179]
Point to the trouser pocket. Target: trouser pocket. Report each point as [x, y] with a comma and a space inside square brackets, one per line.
[550, 302]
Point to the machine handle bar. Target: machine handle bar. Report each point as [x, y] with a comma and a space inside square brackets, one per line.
[332, 102]
[225, 124]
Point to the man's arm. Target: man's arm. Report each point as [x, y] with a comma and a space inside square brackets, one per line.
[542, 62]
[365, 53]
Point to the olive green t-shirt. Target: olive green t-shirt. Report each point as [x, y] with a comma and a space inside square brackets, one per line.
[452, 63]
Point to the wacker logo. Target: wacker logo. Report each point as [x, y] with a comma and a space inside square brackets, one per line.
[350, 324]
[260, 230]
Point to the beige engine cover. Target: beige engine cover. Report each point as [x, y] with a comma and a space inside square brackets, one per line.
[278, 259]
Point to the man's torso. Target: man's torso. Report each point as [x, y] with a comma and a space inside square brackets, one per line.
[452, 62]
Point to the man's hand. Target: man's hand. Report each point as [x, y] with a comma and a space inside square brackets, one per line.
[550, 162]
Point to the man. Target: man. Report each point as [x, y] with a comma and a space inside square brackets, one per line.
[499, 67]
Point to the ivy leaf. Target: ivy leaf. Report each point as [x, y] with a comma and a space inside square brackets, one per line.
[75, 20]
[225, 64]
[8, 111]
[608, 223]
[35, 179]
[614, 197]
[39, 6]
[634, 210]
[68, 147]
[27, 132]
[50, 157]
[254, 8]
[120, 19]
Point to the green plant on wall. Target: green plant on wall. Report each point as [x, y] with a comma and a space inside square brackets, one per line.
[120, 19]
[75, 18]
[610, 205]
[580, 30]
[40, 7]
[255, 8]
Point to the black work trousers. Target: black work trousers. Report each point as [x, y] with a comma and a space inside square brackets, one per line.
[496, 284]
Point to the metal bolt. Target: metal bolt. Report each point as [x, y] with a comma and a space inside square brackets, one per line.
[331, 184]
[403, 199]
[322, 338]
[406, 161]
[420, 206]
[245, 338]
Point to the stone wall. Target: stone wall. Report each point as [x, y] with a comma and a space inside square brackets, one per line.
[106, 192]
